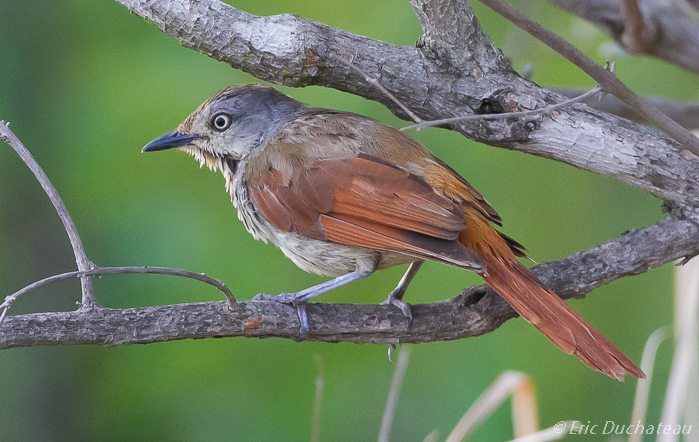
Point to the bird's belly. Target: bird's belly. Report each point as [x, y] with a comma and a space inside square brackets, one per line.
[320, 257]
[332, 259]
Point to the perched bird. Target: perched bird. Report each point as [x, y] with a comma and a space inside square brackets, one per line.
[343, 195]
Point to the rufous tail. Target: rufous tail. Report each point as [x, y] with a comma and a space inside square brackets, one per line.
[542, 307]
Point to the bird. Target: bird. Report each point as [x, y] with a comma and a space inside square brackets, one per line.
[343, 195]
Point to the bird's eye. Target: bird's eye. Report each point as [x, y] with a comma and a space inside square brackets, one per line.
[221, 122]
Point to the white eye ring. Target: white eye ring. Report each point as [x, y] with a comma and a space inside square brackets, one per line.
[221, 122]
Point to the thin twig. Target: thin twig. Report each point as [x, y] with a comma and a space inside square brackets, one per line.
[88, 297]
[609, 82]
[686, 113]
[528, 113]
[390, 410]
[375, 83]
[5, 306]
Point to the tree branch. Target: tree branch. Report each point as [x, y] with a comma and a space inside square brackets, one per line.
[605, 78]
[99, 271]
[454, 38]
[88, 298]
[686, 113]
[587, 95]
[289, 50]
[638, 36]
[674, 27]
[478, 310]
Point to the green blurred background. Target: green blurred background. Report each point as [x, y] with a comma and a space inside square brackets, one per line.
[85, 85]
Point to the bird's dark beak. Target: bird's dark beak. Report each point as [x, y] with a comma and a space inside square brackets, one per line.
[170, 140]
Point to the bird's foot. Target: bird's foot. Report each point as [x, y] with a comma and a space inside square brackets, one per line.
[292, 299]
[394, 298]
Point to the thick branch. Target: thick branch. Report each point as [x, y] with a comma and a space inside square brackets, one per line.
[286, 49]
[638, 35]
[675, 27]
[476, 311]
[605, 78]
[453, 37]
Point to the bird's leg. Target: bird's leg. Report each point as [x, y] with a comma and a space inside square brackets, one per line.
[396, 296]
[299, 299]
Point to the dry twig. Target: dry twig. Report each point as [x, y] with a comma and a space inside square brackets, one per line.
[84, 264]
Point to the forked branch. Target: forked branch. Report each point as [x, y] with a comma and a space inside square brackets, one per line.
[84, 264]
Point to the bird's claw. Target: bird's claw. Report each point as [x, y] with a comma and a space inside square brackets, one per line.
[402, 305]
[289, 298]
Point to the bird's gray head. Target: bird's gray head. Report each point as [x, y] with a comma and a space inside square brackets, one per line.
[230, 124]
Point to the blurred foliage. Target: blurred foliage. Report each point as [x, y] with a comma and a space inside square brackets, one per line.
[85, 85]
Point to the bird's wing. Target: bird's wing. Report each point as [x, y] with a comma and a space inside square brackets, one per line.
[363, 201]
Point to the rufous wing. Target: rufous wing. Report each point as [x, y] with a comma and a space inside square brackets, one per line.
[364, 201]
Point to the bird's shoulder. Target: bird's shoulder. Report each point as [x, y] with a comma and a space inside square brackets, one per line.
[318, 134]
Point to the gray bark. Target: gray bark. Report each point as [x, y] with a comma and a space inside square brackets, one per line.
[674, 27]
[686, 113]
[477, 310]
[434, 82]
